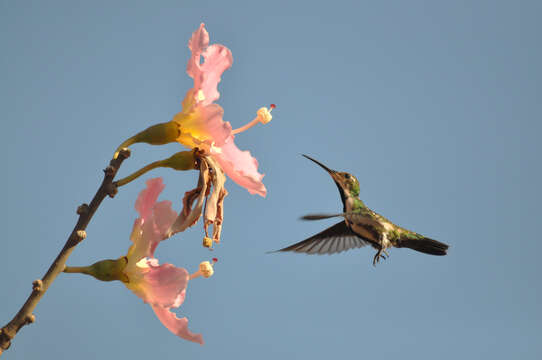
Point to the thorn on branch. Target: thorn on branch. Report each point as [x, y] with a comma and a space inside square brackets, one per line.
[82, 209]
[37, 285]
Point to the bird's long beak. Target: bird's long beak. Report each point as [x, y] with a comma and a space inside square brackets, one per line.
[333, 173]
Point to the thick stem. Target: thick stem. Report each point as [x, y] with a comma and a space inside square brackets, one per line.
[24, 316]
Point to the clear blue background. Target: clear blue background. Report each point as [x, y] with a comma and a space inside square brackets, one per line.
[434, 106]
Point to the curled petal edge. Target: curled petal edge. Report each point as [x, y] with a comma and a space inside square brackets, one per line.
[178, 326]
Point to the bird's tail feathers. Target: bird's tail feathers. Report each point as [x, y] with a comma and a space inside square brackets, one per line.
[425, 245]
[324, 216]
[319, 216]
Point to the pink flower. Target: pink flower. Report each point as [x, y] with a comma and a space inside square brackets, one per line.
[200, 122]
[161, 286]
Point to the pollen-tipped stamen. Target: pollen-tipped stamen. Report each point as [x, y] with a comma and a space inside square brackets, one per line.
[264, 116]
[205, 269]
[208, 242]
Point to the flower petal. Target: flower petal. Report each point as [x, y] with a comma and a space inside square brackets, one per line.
[198, 42]
[161, 285]
[147, 197]
[150, 228]
[217, 59]
[144, 242]
[177, 326]
[241, 167]
[164, 216]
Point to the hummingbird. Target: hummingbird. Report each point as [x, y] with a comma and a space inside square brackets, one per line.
[361, 226]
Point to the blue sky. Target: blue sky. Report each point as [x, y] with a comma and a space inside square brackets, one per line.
[434, 106]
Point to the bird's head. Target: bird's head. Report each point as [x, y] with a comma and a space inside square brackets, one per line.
[347, 183]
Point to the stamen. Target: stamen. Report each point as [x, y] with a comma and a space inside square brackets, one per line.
[205, 269]
[264, 116]
[195, 275]
[208, 242]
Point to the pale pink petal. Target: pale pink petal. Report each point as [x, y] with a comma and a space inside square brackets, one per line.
[161, 285]
[150, 237]
[150, 228]
[144, 241]
[212, 122]
[147, 233]
[197, 44]
[177, 326]
[147, 197]
[217, 59]
[241, 167]
[164, 216]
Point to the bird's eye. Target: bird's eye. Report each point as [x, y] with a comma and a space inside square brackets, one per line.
[347, 176]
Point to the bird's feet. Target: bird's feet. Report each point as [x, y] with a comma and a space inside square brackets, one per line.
[379, 255]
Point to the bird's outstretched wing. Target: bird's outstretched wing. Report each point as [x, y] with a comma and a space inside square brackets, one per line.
[335, 239]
